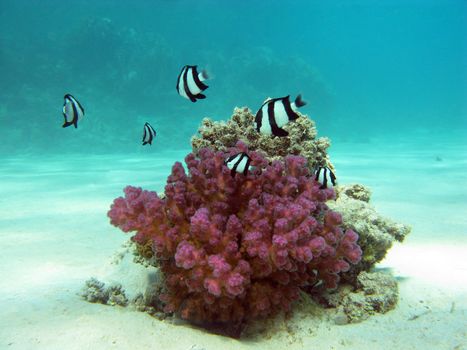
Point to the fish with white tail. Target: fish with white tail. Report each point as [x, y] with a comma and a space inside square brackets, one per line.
[72, 111]
[325, 176]
[239, 163]
[148, 134]
[275, 113]
[190, 83]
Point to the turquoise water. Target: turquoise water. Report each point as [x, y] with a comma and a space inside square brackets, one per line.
[391, 69]
[386, 81]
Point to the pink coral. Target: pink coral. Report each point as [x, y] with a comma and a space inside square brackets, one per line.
[242, 247]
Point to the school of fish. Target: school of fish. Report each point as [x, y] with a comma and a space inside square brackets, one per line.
[273, 114]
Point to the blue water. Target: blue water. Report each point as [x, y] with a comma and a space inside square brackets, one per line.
[370, 70]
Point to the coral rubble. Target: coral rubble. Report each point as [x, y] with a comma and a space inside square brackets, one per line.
[235, 248]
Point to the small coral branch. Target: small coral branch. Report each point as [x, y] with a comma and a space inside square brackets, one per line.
[234, 248]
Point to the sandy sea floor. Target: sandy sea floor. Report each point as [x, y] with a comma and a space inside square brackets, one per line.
[54, 235]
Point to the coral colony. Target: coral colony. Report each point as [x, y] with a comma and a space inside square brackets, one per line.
[248, 228]
[236, 247]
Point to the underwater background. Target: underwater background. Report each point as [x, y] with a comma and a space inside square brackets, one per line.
[386, 70]
[385, 80]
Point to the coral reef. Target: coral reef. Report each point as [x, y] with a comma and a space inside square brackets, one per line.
[235, 248]
[376, 233]
[301, 141]
[94, 291]
[377, 292]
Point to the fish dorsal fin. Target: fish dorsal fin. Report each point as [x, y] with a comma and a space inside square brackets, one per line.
[299, 102]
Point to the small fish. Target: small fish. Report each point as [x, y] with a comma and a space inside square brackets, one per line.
[148, 134]
[239, 163]
[323, 174]
[190, 83]
[72, 111]
[275, 113]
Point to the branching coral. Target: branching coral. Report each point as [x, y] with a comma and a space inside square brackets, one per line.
[301, 141]
[236, 248]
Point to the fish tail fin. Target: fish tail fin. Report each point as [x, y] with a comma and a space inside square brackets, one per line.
[299, 102]
[333, 177]
[204, 75]
[67, 124]
[276, 131]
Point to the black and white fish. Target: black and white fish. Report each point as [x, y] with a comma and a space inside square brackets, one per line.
[239, 163]
[275, 113]
[72, 111]
[190, 83]
[148, 134]
[325, 176]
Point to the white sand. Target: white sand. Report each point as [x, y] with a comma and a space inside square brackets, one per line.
[54, 234]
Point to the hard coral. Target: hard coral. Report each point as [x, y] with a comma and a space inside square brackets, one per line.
[301, 141]
[236, 248]
[377, 233]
